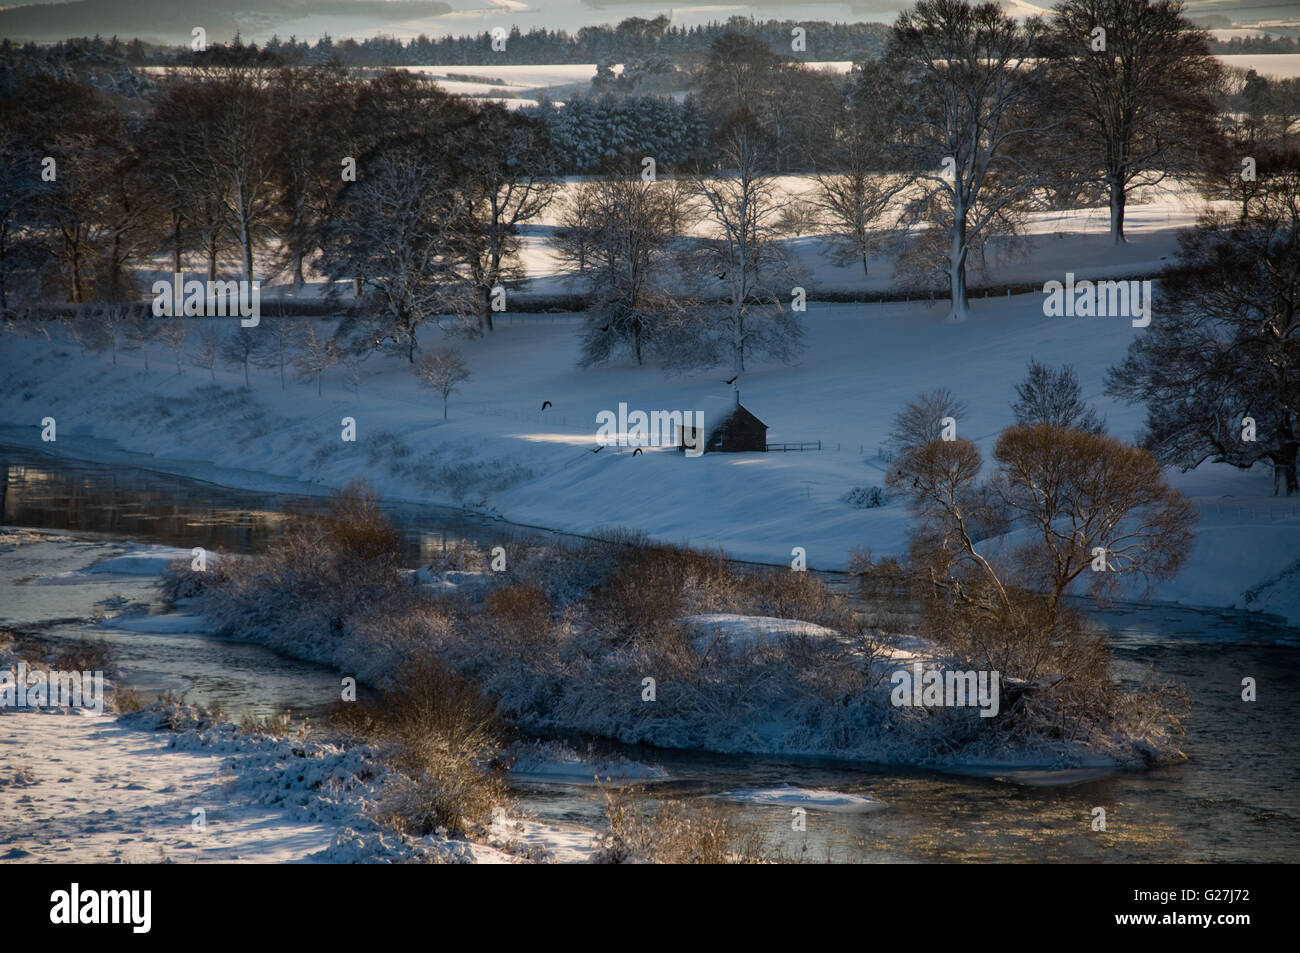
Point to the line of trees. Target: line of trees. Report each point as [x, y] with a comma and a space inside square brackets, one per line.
[416, 195]
[417, 198]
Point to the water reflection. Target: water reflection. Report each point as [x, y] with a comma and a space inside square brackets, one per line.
[39, 490]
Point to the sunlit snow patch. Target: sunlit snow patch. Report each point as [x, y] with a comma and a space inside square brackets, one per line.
[746, 631]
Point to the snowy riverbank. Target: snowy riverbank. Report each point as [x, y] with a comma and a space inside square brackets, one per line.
[499, 454]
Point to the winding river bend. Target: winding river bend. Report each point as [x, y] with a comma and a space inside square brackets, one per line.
[1234, 800]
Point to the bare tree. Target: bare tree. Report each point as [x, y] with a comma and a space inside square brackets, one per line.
[921, 420]
[113, 320]
[239, 348]
[317, 353]
[1143, 101]
[1219, 369]
[510, 167]
[576, 238]
[274, 350]
[632, 244]
[991, 562]
[315, 104]
[238, 164]
[741, 211]
[1048, 396]
[443, 370]
[207, 349]
[173, 333]
[853, 192]
[966, 78]
[89, 334]
[141, 330]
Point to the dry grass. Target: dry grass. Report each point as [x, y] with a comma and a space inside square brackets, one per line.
[670, 832]
[86, 655]
[651, 585]
[445, 737]
[521, 612]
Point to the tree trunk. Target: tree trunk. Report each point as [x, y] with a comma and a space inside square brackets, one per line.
[176, 242]
[74, 286]
[1286, 461]
[960, 309]
[486, 322]
[1117, 199]
[246, 243]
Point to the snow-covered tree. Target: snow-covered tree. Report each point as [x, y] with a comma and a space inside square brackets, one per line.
[317, 352]
[442, 370]
[741, 212]
[633, 295]
[401, 226]
[965, 81]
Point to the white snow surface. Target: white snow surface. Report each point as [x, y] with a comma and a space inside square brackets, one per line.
[746, 631]
[138, 559]
[812, 799]
[499, 454]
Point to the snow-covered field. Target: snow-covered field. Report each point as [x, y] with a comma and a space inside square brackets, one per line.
[500, 453]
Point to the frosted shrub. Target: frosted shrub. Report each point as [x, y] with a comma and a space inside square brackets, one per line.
[330, 567]
[865, 497]
[443, 735]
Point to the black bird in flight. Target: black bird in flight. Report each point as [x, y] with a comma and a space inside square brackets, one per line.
[598, 449]
[732, 381]
[545, 404]
[636, 451]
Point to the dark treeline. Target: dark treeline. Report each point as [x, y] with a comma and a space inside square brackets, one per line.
[632, 39]
[1256, 44]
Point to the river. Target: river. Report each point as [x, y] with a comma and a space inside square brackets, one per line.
[1233, 800]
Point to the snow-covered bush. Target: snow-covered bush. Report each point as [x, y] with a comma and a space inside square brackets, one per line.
[443, 735]
[865, 497]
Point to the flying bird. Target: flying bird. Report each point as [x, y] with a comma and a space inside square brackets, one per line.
[545, 404]
[598, 449]
[732, 381]
[636, 451]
